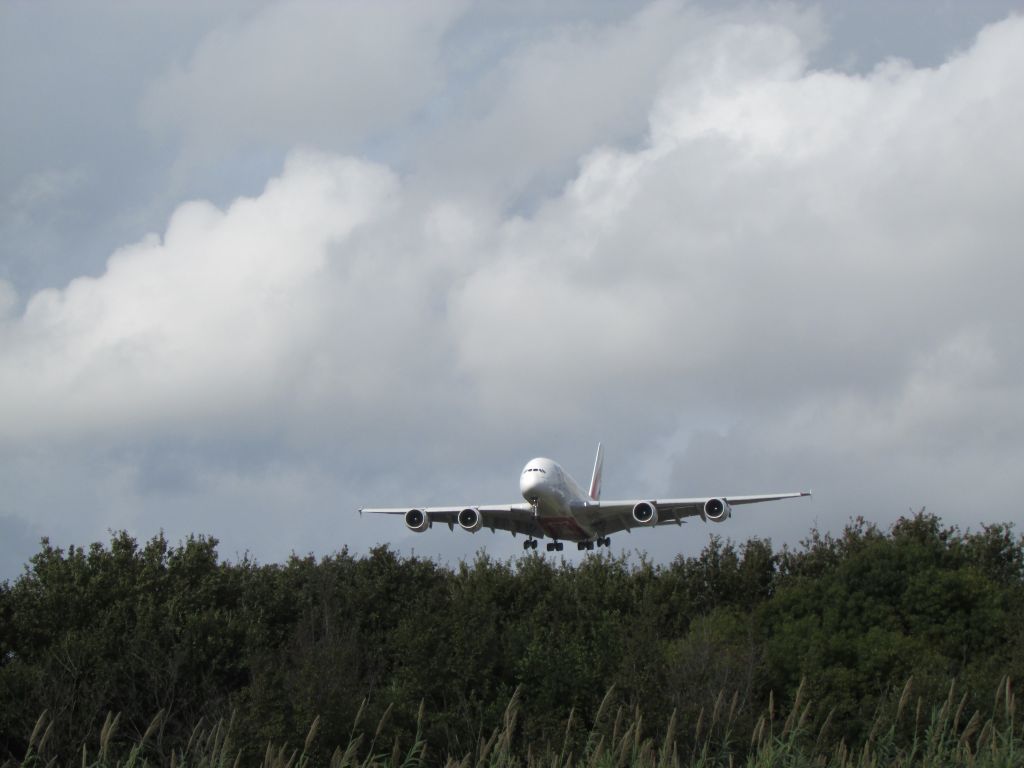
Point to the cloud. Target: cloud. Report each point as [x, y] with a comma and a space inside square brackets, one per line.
[304, 72]
[531, 113]
[758, 232]
[792, 277]
[204, 322]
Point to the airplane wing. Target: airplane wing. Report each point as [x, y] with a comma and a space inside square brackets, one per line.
[618, 515]
[604, 517]
[515, 518]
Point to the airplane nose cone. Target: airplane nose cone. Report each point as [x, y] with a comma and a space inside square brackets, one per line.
[528, 483]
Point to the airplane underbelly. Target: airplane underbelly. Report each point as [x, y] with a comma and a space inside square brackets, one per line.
[555, 517]
[564, 528]
[558, 522]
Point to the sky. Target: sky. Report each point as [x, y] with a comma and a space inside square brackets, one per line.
[264, 263]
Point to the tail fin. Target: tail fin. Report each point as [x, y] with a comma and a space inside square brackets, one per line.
[595, 480]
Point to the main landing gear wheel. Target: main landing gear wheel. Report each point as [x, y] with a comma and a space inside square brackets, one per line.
[555, 546]
[530, 544]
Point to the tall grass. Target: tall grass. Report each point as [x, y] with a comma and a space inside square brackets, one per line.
[945, 734]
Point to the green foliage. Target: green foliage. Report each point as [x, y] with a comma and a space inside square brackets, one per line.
[950, 736]
[923, 601]
[514, 661]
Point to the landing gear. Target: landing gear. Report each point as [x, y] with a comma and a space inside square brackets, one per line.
[555, 546]
[589, 545]
[530, 544]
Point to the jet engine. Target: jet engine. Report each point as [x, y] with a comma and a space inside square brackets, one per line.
[645, 513]
[716, 510]
[417, 520]
[470, 519]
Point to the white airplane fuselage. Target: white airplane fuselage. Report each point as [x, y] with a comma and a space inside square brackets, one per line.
[561, 504]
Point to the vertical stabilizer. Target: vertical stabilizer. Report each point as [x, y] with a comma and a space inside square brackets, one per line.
[595, 479]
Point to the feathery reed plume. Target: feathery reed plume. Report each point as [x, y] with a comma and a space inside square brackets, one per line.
[312, 734]
[46, 738]
[155, 723]
[904, 697]
[40, 722]
[700, 723]
[819, 743]
[758, 733]
[358, 718]
[376, 734]
[717, 708]
[195, 735]
[959, 712]
[566, 737]
[668, 745]
[969, 729]
[107, 733]
[594, 736]
[1009, 699]
[791, 720]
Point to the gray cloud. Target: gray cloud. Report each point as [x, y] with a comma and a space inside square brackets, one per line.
[744, 274]
[533, 113]
[308, 72]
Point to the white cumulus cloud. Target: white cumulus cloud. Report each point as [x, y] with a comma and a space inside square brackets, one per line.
[791, 277]
[205, 321]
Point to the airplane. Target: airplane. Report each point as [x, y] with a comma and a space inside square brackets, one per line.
[556, 507]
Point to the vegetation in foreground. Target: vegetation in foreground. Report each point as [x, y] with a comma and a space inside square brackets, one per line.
[950, 736]
[740, 656]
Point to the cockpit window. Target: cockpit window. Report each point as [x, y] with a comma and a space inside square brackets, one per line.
[536, 469]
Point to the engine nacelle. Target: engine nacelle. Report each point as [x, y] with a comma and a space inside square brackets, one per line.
[417, 520]
[716, 510]
[470, 519]
[645, 513]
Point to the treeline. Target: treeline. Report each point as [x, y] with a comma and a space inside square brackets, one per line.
[722, 637]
